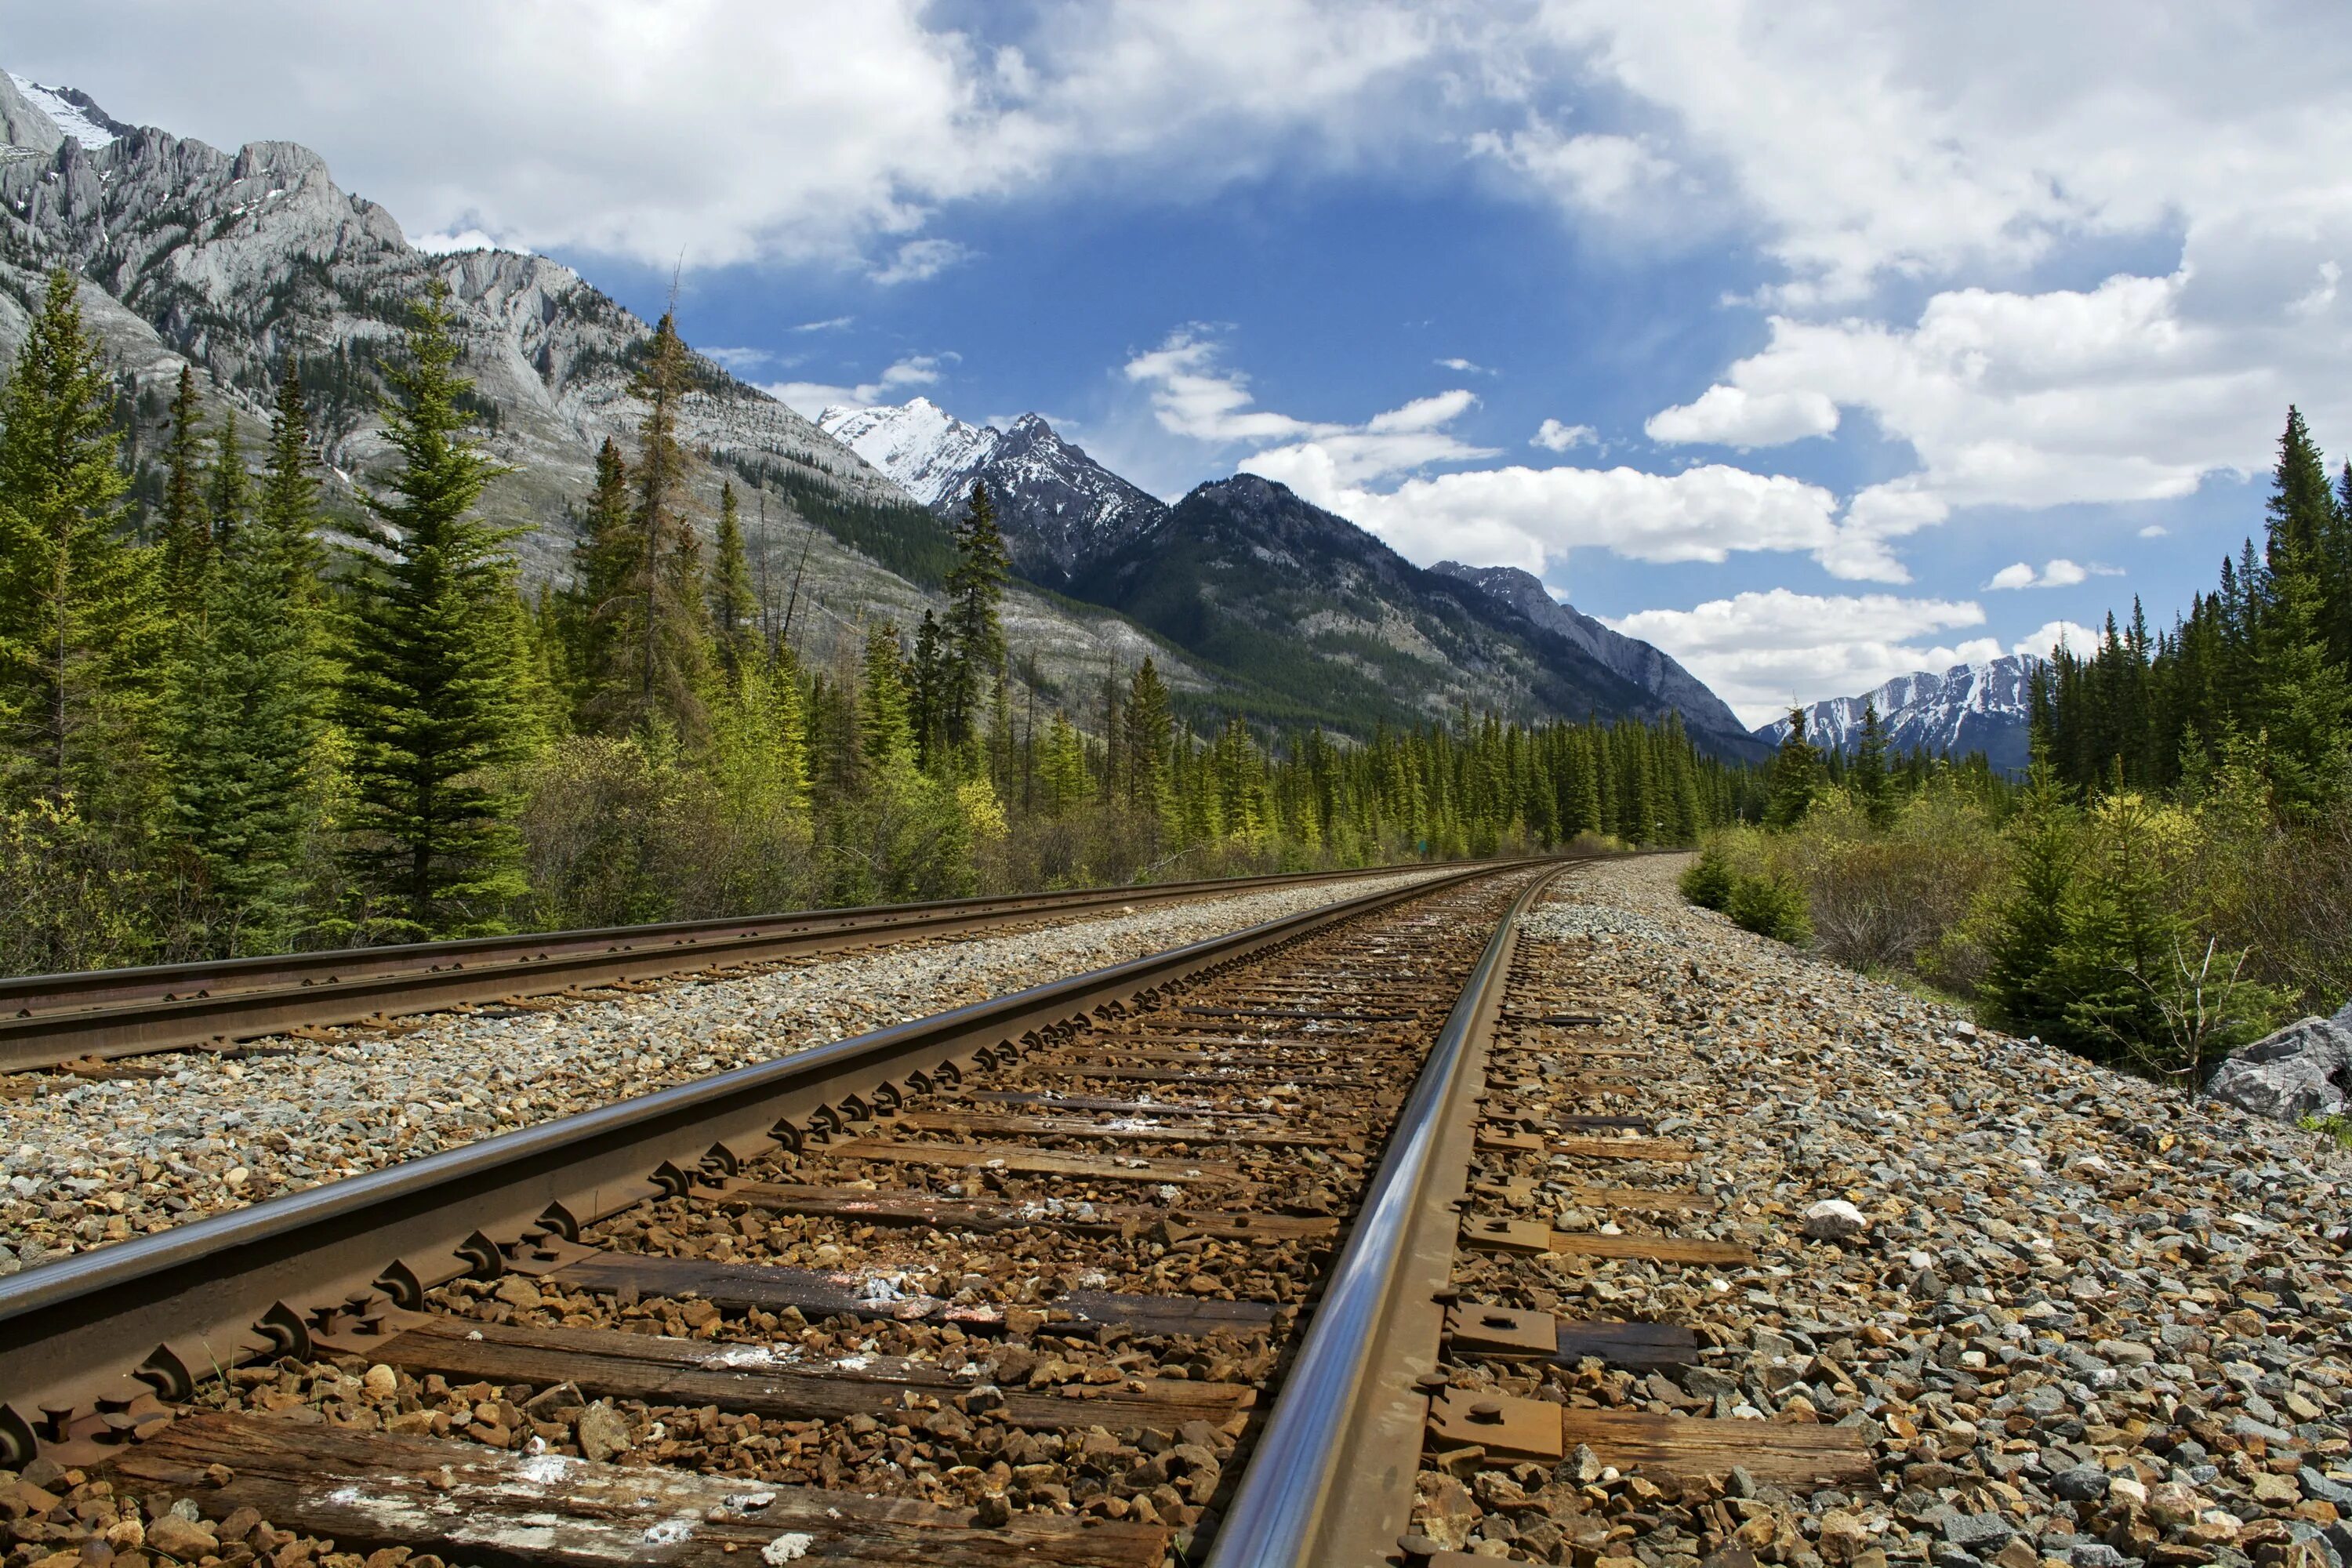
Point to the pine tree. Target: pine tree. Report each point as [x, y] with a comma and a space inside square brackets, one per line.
[1867, 780]
[1151, 730]
[885, 740]
[975, 633]
[427, 693]
[2018, 989]
[230, 487]
[1796, 776]
[187, 531]
[79, 634]
[287, 512]
[734, 608]
[649, 612]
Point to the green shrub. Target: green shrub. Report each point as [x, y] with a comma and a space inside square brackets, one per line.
[1771, 905]
[1707, 882]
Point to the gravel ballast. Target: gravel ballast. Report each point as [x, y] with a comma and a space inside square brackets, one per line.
[2082, 1321]
[83, 1164]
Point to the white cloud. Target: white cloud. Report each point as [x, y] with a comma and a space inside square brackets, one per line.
[1460, 365]
[1195, 396]
[1763, 652]
[2058, 574]
[1735, 417]
[830, 325]
[814, 397]
[1525, 517]
[2154, 531]
[1555, 436]
[2076, 637]
[1595, 171]
[462, 240]
[917, 260]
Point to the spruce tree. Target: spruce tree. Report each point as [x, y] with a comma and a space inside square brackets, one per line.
[1867, 780]
[1796, 776]
[734, 607]
[79, 631]
[975, 631]
[1151, 727]
[244, 703]
[427, 689]
[2019, 988]
[187, 531]
[229, 486]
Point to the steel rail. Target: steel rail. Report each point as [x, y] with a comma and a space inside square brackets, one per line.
[87, 1341]
[128, 1012]
[1330, 1483]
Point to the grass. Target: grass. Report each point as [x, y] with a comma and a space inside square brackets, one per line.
[2339, 1127]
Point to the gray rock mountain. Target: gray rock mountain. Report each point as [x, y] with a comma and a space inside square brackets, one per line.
[1702, 711]
[1969, 707]
[2304, 1070]
[1060, 510]
[240, 263]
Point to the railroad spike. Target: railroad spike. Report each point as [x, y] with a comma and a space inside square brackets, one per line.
[284, 1329]
[479, 1251]
[165, 1373]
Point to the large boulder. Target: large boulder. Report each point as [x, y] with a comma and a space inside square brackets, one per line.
[2304, 1070]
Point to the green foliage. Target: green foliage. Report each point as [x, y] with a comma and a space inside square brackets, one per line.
[1707, 881]
[430, 672]
[974, 628]
[1772, 905]
[1796, 778]
[79, 631]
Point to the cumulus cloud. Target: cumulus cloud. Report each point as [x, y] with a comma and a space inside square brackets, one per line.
[918, 259]
[2071, 635]
[1194, 394]
[903, 377]
[2059, 574]
[1735, 417]
[1554, 436]
[1764, 652]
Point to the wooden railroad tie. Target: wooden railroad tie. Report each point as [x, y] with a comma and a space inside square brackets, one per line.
[1511, 1334]
[1500, 1141]
[1015, 1159]
[750, 1378]
[817, 1293]
[1523, 1236]
[1780, 1453]
[369, 1490]
[866, 1206]
[1136, 1129]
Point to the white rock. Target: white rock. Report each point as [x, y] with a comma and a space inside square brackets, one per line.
[1834, 1219]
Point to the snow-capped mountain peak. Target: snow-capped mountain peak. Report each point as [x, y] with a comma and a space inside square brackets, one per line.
[930, 452]
[1059, 508]
[1983, 707]
[72, 112]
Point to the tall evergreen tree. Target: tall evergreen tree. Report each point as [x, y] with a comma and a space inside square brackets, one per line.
[734, 607]
[230, 487]
[1867, 780]
[187, 531]
[429, 679]
[1796, 776]
[244, 703]
[79, 632]
[975, 631]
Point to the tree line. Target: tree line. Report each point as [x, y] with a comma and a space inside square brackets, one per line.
[246, 725]
[2172, 878]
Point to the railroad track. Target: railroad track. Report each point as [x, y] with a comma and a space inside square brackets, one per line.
[52, 1020]
[1236, 1251]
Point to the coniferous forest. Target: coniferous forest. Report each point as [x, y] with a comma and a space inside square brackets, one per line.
[230, 724]
[2172, 878]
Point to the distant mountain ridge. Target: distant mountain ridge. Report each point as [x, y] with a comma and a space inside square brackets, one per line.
[1059, 509]
[1969, 707]
[1647, 667]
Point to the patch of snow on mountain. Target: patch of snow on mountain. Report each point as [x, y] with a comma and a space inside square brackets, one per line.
[919, 444]
[1982, 706]
[69, 116]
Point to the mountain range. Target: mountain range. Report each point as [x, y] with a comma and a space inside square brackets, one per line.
[1969, 707]
[1252, 600]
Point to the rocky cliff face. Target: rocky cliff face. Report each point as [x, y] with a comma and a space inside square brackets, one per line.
[1060, 510]
[240, 263]
[1704, 713]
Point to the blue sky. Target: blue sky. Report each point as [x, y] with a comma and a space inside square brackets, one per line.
[1864, 339]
